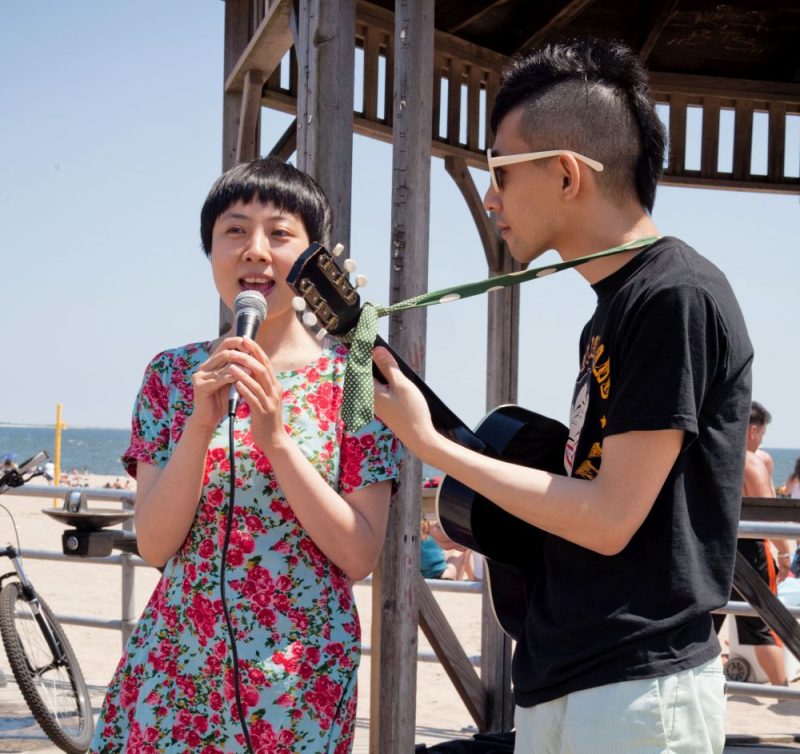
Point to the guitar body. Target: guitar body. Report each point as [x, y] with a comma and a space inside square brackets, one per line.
[512, 548]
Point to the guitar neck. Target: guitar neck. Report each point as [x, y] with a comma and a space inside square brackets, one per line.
[444, 420]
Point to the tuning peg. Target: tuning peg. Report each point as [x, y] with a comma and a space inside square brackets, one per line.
[321, 333]
[361, 281]
[309, 319]
[350, 265]
[298, 304]
[338, 249]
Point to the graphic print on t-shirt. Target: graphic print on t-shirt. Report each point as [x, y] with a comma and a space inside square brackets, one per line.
[595, 365]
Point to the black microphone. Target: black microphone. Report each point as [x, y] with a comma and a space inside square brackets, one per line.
[249, 310]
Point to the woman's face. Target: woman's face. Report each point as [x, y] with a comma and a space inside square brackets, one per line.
[253, 247]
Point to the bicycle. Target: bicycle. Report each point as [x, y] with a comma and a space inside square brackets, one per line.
[38, 651]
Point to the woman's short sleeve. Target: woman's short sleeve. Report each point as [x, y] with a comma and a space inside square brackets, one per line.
[152, 416]
[373, 454]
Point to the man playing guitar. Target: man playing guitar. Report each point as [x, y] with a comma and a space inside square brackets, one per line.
[618, 651]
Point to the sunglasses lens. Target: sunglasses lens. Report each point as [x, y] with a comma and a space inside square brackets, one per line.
[497, 178]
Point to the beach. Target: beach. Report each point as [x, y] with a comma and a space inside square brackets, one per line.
[79, 588]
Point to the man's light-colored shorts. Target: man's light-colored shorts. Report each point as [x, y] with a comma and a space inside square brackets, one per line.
[682, 713]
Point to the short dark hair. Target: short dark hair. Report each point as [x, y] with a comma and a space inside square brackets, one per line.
[591, 96]
[759, 416]
[272, 180]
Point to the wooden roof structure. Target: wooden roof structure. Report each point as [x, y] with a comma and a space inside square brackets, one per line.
[429, 70]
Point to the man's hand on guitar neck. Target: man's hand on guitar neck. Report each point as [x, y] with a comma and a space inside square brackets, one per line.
[601, 515]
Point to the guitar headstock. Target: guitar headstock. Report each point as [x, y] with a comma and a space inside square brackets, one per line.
[329, 299]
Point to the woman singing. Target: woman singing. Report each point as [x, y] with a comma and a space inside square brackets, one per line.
[310, 509]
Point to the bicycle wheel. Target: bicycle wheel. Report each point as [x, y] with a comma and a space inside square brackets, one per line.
[55, 691]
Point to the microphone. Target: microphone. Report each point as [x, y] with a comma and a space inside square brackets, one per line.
[249, 310]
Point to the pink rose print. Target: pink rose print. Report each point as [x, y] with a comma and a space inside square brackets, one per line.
[294, 616]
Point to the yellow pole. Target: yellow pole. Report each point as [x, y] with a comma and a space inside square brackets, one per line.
[57, 452]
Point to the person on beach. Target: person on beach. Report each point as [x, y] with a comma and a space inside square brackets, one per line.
[310, 510]
[758, 552]
[618, 652]
[440, 557]
[791, 487]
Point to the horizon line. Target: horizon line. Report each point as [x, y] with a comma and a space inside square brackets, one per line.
[30, 425]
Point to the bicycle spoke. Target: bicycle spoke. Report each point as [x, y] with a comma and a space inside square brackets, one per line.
[50, 675]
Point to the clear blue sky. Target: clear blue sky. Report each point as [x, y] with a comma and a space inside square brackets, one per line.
[110, 138]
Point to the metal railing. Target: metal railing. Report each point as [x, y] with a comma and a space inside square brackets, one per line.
[128, 563]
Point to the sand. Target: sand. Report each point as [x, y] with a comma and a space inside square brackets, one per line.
[77, 588]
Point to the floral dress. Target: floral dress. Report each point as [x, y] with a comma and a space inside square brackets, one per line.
[298, 635]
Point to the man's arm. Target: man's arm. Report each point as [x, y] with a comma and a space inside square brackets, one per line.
[769, 464]
[601, 515]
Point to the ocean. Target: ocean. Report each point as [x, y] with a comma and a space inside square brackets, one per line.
[99, 449]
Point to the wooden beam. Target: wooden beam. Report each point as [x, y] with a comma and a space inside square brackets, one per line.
[248, 139]
[436, 95]
[742, 139]
[474, 107]
[677, 134]
[370, 90]
[325, 103]
[709, 144]
[782, 509]
[444, 43]
[472, 17]
[394, 672]
[271, 41]
[665, 84]
[452, 656]
[237, 30]
[287, 144]
[492, 87]
[776, 143]
[690, 179]
[382, 131]
[388, 84]
[502, 368]
[555, 23]
[658, 15]
[455, 80]
[492, 246]
[758, 184]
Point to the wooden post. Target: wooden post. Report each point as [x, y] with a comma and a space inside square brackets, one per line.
[326, 69]
[501, 387]
[237, 35]
[248, 139]
[393, 703]
[502, 363]
[448, 649]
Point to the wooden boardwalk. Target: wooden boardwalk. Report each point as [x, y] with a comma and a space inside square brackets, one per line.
[19, 732]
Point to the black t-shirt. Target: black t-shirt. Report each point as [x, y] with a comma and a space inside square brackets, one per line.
[667, 348]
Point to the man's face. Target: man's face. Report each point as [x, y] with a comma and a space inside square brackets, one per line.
[755, 436]
[525, 207]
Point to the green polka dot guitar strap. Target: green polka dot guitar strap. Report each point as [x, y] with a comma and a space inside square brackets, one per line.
[335, 306]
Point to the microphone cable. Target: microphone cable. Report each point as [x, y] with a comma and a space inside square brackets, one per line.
[228, 622]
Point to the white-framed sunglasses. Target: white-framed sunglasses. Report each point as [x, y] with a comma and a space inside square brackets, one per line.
[510, 159]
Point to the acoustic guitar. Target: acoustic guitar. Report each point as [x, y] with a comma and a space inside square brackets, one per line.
[511, 547]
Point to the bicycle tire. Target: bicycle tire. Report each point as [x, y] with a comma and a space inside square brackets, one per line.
[55, 693]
